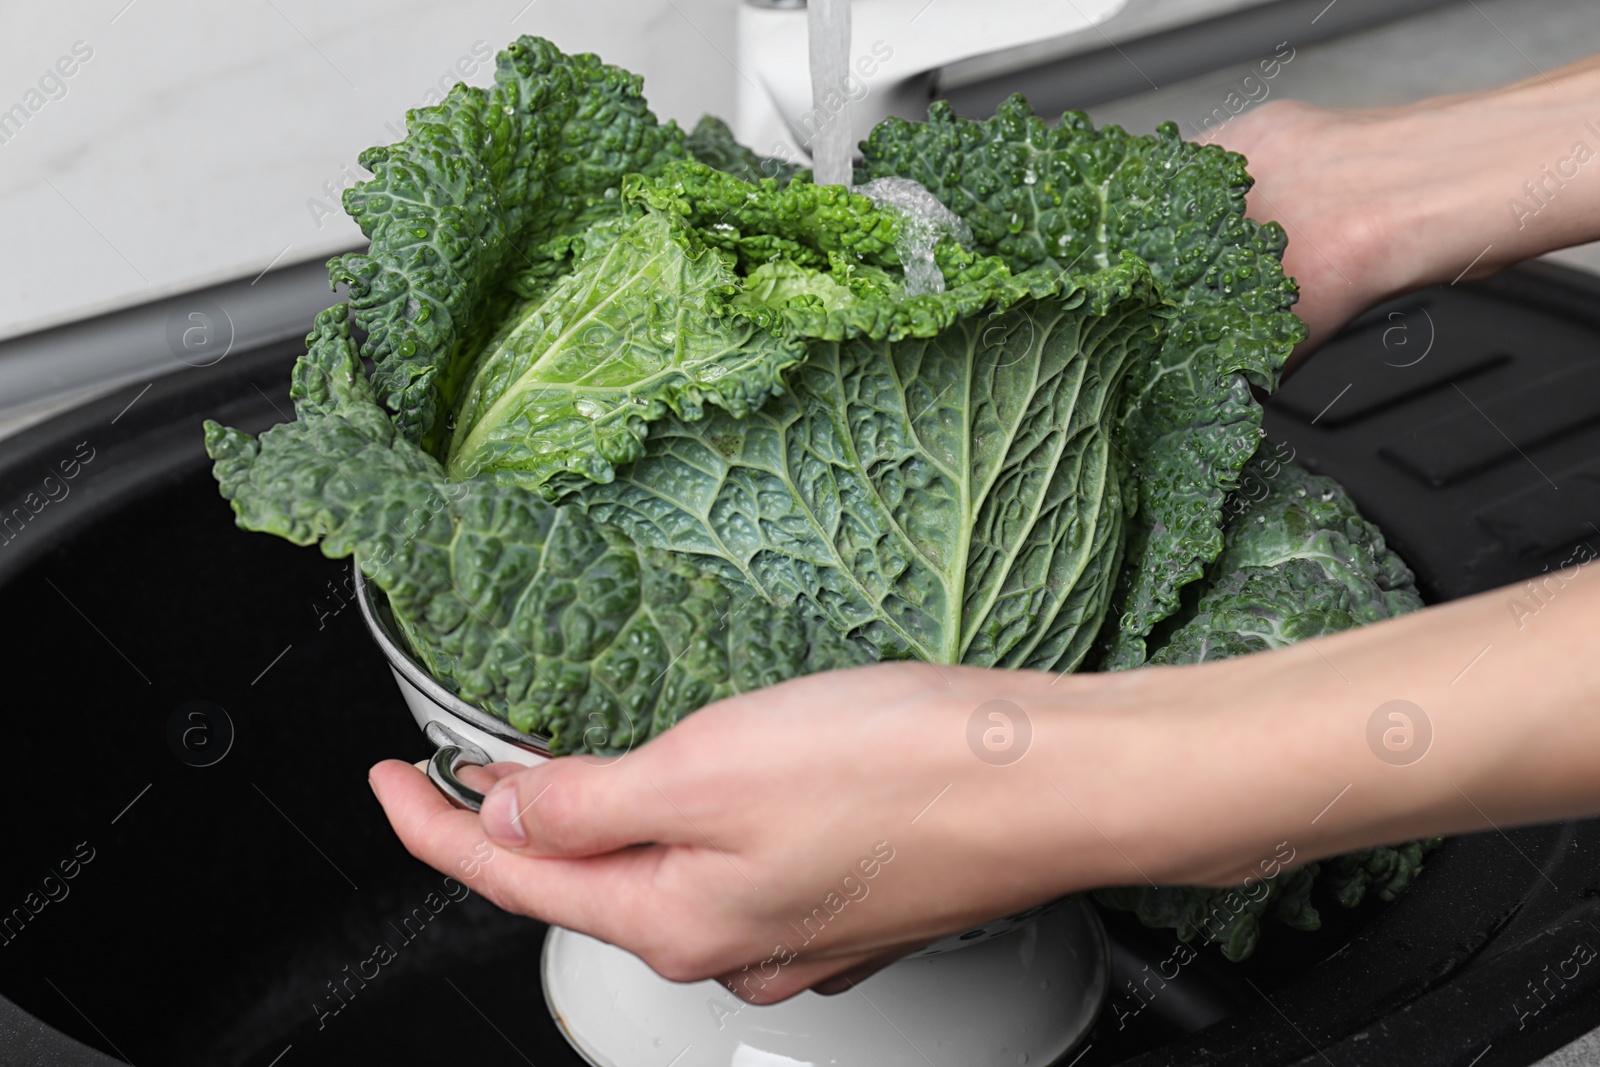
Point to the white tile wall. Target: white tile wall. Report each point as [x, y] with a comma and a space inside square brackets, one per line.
[200, 142]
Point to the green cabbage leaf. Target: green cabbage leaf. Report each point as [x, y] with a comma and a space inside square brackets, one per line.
[1069, 196]
[703, 291]
[488, 183]
[561, 627]
[638, 328]
[1299, 562]
[955, 499]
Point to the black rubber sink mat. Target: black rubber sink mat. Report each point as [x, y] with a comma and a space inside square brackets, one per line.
[1467, 422]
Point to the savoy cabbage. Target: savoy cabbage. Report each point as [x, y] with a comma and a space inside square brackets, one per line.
[623, 420]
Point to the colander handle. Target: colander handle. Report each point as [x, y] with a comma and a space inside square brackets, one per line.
[451, 752]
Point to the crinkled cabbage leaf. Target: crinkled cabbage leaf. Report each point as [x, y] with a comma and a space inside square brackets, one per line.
[1072, 195]
[533, 612]
[1299, 562]
[956, 499]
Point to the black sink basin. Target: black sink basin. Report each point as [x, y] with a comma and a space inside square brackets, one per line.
[198, 706]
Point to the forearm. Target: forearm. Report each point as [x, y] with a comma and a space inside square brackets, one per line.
[1494, 177]
[1511, 686]
[1279, 747]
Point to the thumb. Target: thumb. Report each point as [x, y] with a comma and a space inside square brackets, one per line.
[574, 807]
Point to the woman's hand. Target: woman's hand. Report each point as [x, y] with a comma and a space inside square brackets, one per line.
[822, 828]
[1321, 174]
[1382, 201]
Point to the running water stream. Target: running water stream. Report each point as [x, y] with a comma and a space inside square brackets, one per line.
[828, 30]
[833, 149]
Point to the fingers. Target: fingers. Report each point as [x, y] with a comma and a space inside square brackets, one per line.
[577, 806]
[571, 806]
[769, 982]
[418, 810]
[589, 895]
[853, 977]
[498, 771]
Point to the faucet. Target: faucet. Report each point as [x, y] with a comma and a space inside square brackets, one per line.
[897, 49]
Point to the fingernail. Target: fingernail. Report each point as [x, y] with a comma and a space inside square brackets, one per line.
[499, 816]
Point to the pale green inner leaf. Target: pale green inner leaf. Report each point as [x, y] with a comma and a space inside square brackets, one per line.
[636, 330]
